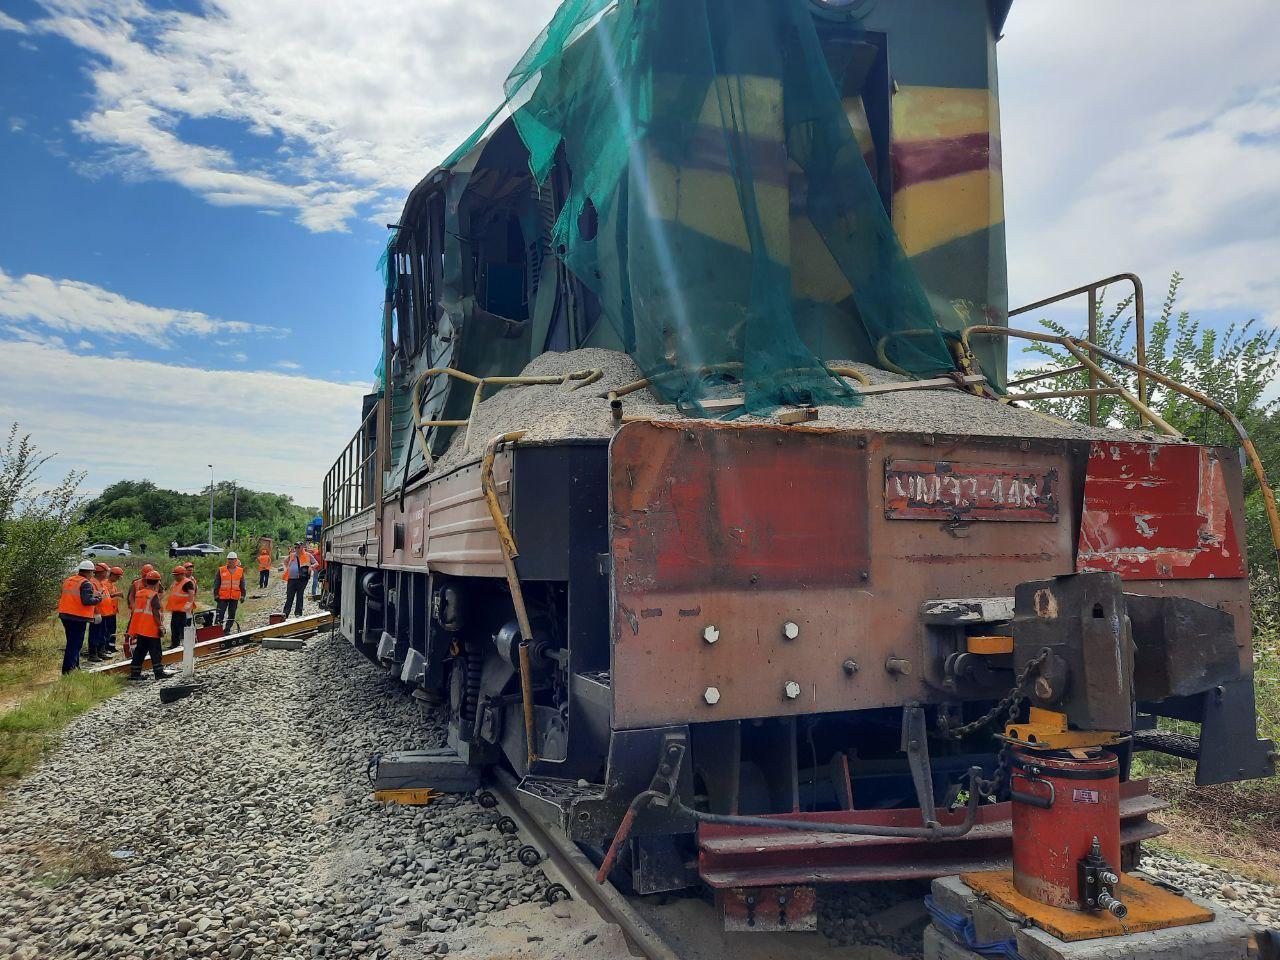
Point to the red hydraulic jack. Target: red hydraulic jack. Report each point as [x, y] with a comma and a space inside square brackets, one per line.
[1066, 877]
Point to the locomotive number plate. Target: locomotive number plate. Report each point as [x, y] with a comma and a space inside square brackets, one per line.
[951, 490]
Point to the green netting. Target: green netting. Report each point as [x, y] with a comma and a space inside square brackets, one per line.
[711, 156]
[390, 278]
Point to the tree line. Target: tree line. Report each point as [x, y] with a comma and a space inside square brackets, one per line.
[137, 511]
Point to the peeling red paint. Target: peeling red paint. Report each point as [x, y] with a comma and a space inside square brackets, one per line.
[1157, 511]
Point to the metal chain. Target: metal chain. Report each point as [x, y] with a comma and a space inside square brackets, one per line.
[1008, 704]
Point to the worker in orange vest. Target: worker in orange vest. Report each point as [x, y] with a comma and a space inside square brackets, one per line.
[137, 582]
[100, 570]
[191, 572]
[146, 627]
[104, 609]
[110, 620]
[317, 570]
[77, 607]
[180, 602]
[297, 570]
[264, 567]
[228, 589]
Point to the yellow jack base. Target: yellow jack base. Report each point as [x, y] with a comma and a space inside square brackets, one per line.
[1150, 908]
[407, 796]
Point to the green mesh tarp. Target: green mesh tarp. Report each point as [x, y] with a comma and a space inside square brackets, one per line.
[712, 163]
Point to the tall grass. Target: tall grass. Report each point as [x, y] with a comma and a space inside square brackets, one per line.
[31, 728]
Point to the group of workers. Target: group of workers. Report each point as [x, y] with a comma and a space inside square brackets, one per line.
[91, 598]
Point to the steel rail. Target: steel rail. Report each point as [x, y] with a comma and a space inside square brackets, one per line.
[578, 875]
[310, 623]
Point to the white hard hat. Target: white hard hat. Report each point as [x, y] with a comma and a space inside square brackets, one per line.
[233, 555]
[86, 565]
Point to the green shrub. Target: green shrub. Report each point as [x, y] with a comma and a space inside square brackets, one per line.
[39, 539]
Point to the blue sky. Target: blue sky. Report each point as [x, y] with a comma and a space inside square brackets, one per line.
[193, 195]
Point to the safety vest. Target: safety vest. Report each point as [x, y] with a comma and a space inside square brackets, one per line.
[107, 606]
[264, 561]
[230, 585]
[70, 603]
[143, 622]
[180, 599]
[304, 563]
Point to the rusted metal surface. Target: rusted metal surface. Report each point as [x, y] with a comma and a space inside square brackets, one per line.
[769, 909]
[736, 857]
[946, 490]
[1150, 908]
[1158, 511]
[747, 529]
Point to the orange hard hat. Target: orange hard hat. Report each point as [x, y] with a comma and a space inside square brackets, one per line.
[99, 567]
[179, 571]
[151, 575]
[118, 571]
[147, 568]
[189, 565]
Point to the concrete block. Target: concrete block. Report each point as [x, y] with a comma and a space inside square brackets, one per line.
[991, 922]
[954, 896]
[938, 945]
[441, 770]
[283, 643]
[1226, 937]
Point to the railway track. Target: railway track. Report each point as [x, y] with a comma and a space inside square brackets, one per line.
[237, 644]
[568, 866]
[659, 927]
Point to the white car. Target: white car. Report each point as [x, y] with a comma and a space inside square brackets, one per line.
[195, 550]
[106, 550]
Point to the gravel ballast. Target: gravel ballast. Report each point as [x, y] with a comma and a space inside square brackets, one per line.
[556, 412]
[239, 823]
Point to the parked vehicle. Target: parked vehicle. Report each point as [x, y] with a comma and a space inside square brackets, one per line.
[106, 550]
[195, 550]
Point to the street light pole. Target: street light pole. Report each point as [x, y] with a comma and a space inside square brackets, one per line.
[235, 508]
[211, 503]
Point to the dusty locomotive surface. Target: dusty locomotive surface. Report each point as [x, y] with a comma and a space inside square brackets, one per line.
[692, 489]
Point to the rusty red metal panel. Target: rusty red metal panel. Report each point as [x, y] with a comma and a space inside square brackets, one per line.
[740, 531]
[1158, 511]
[743, 857]
[769, 909]
[956, 490]
[747, 507]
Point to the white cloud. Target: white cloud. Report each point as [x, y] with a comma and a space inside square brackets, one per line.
[287, 365]
[352, 103]
[1153, 157]
[240, 357]
[72, 306]
[9, 23]
[54, 394]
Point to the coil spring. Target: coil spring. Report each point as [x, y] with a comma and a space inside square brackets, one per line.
[474, 667]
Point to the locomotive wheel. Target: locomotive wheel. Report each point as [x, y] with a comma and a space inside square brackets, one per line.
[507, 825]
[529, 856]
[487, 800]
[555, 893]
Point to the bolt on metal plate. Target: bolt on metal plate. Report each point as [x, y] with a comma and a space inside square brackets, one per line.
[790, 630]
[792, 690]
[711, 695]
[710, 633]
